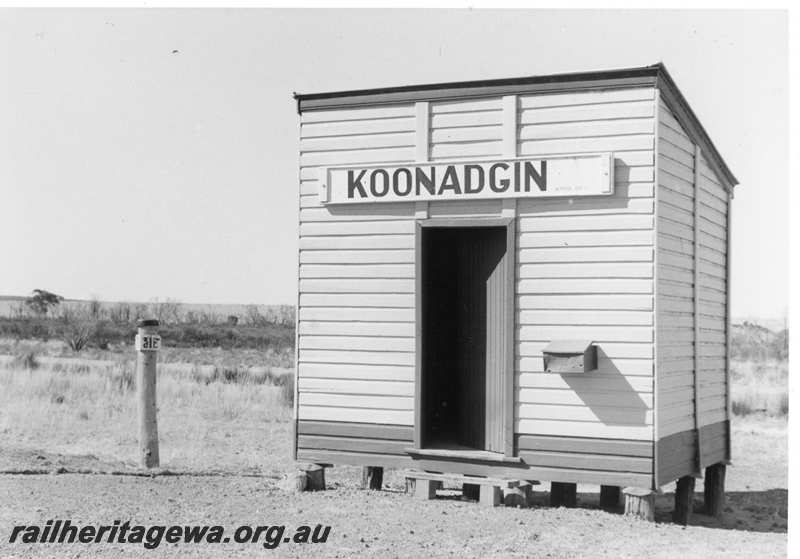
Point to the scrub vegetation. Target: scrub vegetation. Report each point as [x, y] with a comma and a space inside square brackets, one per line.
[83, 401]
[207, 409]
[225, 408]
[67, 369]
[759, 370]
[94, 324]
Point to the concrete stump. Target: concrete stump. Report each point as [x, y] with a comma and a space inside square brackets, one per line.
[714, 492]
[426, 489]
[490, 496]
[372, 477]
[640, 503]
[295, 482]
[563, 494]
[520, 496]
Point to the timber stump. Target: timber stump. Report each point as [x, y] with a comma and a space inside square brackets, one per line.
[714, 490]
[372, 478]
[315, 476]
[563, 494]
[684, 500]
[471, 491]
[609, 497]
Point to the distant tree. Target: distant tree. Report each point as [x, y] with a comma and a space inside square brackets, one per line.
[120, 313]
[42, 301]
[95, 308]
[166, 312]
[253, 316]
[78, 327]
[779, 347]
[140, 311]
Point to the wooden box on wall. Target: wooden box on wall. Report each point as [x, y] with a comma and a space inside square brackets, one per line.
[570, 356]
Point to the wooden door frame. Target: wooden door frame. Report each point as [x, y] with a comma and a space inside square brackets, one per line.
[511, 262]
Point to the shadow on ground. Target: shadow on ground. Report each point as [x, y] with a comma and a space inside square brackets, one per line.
[30, 461]
[755, 511]
[18, 461]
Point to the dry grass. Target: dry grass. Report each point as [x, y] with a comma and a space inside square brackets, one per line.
[760, 388]
[218, 409]
[26, 360]
[209, 417]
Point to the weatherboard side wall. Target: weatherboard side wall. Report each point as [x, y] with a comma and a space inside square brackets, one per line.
[692, 276]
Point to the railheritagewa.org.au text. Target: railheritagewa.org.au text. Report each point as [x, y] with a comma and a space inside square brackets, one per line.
[152, 536]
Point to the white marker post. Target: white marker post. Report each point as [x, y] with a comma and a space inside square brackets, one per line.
[147, 344]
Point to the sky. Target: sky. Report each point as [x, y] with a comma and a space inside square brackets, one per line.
[152, 153]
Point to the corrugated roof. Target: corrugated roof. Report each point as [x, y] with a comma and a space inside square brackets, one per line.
[655, 75]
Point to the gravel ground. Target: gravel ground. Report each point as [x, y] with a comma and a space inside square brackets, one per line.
[390, 523]
[367, 523]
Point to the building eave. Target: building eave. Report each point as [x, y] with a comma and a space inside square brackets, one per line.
[655, 75]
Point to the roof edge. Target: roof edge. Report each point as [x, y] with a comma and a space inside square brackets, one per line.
[314, 101]
[694, 128]
[655, 75]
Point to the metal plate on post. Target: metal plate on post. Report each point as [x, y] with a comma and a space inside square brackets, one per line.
[148, 342]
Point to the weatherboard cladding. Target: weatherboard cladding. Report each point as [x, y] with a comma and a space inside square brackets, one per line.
[606, 461]
[655, 75]
[675, 245]
[584, 270]
[692, 299]
[572, 256]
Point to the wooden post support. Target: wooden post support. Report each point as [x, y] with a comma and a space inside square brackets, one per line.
[640, 503]
[563, 494]
[426, 489]
[519, 496]
[609, 497]
[372, 477]
[147, 343]
[491, 495]
[471, 491]
[315, 476]
[411, 485]
[714, 492]
[684, 499]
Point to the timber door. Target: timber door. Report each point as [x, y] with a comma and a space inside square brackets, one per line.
[464, 291]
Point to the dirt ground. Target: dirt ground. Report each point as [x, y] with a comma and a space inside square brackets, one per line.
[388, 523]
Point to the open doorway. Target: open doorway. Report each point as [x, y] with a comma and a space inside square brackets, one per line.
[464, 333]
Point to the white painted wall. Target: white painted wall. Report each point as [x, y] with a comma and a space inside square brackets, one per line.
[677, 167]
[585, 265]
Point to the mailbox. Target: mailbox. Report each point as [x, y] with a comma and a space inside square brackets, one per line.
[570, 356]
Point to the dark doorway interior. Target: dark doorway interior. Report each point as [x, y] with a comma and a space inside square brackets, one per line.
[463, 332]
